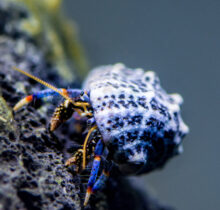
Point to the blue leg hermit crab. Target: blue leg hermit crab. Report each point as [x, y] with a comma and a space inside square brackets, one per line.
[131, 121]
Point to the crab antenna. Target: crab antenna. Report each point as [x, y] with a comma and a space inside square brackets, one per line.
[43, 83]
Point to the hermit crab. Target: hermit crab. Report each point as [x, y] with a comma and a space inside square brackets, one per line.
[131, 121]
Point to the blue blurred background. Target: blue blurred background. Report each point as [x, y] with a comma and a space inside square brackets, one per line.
[180, 40]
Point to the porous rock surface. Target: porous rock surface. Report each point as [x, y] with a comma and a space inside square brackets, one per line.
[32, 172]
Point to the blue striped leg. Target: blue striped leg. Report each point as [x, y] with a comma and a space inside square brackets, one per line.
[72, 93]
[95, 168]
[100, 183]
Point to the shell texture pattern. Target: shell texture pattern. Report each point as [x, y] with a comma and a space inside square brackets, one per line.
[139, 122]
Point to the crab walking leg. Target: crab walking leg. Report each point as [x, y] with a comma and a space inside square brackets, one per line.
[72, 93]
[77, 158]
[100, 183]
[95, 168]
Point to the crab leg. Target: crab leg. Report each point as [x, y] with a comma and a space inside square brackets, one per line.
[101, 181]
[77, 158]
[72, 93]
[95, 168]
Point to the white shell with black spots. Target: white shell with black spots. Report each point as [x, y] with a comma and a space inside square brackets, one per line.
[139, 122]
